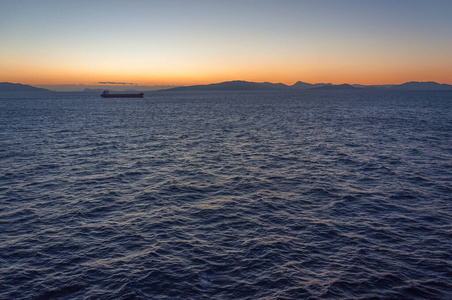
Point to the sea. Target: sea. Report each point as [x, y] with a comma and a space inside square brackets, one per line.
[226, 195]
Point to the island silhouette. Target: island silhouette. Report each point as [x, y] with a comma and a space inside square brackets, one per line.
[18, 87]
[241, 85]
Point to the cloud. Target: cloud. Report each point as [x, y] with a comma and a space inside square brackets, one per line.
[121, 83]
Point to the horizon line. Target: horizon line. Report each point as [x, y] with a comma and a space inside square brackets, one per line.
[234, 80]
[149, 88]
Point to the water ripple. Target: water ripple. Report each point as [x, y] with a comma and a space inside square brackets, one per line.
[226, 196]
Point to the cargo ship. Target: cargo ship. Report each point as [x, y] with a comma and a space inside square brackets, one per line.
[106, 94]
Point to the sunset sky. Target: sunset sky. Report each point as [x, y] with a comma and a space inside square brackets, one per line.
[198, 42]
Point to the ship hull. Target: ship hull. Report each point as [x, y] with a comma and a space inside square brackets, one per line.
[140, 95]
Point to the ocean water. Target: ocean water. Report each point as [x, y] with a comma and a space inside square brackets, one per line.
[226, 195]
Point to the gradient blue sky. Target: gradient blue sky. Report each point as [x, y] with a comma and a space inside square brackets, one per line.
[195, 42]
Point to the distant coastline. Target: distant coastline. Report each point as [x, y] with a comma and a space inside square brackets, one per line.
[18, 87]
[240, 85]
[303, 86]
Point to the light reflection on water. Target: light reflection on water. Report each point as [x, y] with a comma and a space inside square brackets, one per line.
[226, 195]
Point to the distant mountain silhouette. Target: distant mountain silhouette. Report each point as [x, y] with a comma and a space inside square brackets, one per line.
[17, 87]
[300, 85]
[335, 87]
[240, 85]
[425, 86]
[237, 85]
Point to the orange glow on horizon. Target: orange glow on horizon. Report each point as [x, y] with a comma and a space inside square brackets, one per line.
[92, 79]
[329, 72]
[345, 67]
[64, 43]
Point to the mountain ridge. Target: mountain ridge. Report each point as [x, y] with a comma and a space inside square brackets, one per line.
[425, 85]
[18, 87]
[300, 85]
[241, 85]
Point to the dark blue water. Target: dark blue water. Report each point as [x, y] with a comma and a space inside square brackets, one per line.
[251, 195]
